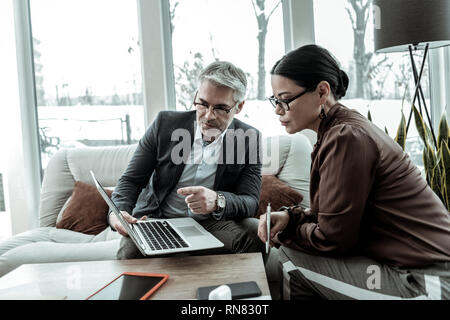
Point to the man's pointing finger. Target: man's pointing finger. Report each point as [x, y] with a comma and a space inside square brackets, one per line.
[188, 190]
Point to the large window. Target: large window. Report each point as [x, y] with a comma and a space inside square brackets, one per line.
[87, 73]
[248, 33]
[380, 83]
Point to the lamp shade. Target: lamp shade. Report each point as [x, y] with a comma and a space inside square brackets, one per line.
[400, 23]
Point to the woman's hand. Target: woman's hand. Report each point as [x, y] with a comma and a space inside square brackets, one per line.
[278, 220]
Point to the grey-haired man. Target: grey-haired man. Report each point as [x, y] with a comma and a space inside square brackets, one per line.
[204, 163]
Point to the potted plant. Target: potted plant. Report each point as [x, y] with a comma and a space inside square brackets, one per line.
[436, 158]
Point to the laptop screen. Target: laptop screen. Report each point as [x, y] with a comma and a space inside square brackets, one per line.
[111, 204]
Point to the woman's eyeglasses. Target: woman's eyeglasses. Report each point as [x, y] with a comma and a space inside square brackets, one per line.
[284, 103]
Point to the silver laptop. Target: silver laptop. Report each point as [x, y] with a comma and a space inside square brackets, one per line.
[163, 236]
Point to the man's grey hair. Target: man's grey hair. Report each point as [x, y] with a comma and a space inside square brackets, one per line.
[226, 74]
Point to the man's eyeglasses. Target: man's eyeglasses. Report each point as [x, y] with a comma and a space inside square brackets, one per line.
[218, 110]
[284, 103]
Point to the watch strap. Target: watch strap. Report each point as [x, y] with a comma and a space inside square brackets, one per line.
[288, 209]
[217, 215]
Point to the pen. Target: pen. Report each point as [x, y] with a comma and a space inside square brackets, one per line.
[268, 228]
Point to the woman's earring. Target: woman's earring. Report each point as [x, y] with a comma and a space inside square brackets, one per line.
[322, 114]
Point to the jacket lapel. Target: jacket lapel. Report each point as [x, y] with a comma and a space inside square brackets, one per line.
[191, 126]
[221, 166]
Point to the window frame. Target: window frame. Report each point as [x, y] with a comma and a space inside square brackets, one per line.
[28, 182]
[156, 57]
[439, 73]
[298, 20]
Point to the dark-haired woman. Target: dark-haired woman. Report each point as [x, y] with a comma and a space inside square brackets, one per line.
[375, 230]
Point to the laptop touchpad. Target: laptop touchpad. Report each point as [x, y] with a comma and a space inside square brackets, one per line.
[190, 231]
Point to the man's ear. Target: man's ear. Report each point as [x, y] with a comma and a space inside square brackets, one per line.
[239, 107]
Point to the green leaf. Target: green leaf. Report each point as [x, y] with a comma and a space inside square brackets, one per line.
[445, 161]
[430, 138]
[401, 132]
[369, 116]
[443, 131]
[386, 130]
[437, 165]
[426, 165]
[420, 125]
[436, 180]
[429, 161]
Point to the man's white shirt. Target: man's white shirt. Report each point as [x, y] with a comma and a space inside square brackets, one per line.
[200, 170]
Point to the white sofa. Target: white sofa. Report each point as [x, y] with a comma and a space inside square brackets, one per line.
[287, 157]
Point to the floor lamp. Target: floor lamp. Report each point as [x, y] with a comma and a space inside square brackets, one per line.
[410, 25]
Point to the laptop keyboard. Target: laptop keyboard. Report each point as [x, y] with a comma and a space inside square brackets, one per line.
[160, 235]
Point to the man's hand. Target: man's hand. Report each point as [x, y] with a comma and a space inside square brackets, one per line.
[199, 199]
[115, 222]
[279, 220]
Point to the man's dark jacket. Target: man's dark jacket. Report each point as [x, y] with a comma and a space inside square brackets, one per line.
[152, 174]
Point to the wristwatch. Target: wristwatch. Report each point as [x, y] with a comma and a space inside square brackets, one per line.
[220, 204]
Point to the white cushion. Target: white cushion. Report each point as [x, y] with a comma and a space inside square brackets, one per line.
[296, 169]
[275, 153]
[69, 236]
[106, 235]
[39, 234]
[59, 217]
[48, 234]
[70, 165]
[58, 252]
[107, 163]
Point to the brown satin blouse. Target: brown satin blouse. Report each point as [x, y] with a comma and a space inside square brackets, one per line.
[368, 198]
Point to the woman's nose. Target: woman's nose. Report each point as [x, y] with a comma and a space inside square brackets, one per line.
[279, 110]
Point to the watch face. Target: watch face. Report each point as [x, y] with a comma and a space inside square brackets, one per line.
[221, 202]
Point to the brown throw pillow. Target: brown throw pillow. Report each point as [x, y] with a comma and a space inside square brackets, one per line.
[86, 212]
[278, 193]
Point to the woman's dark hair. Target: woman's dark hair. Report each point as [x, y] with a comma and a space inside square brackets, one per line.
[307, 66]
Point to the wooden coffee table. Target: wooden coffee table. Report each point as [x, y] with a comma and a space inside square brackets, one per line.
[78, 280]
